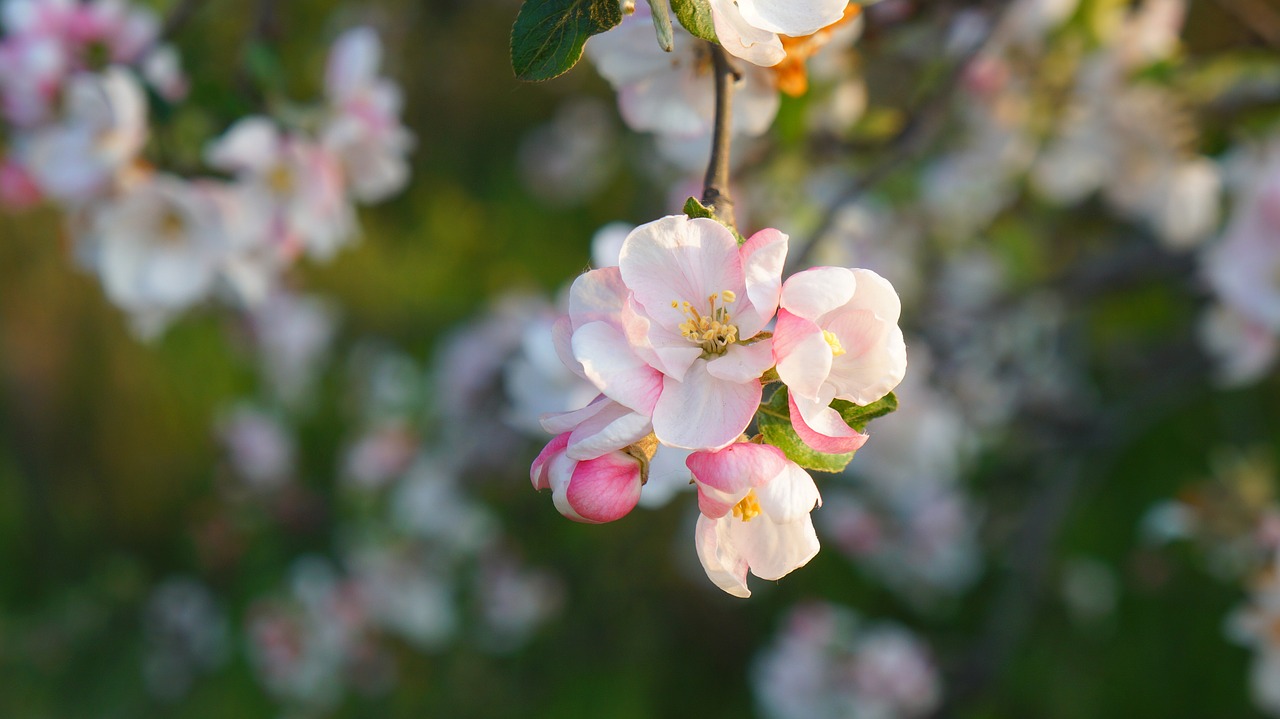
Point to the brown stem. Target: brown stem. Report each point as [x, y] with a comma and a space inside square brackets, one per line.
[715, 193]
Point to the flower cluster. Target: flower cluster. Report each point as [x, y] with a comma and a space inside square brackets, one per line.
[71, 83]
[420, 560]
[675, 340]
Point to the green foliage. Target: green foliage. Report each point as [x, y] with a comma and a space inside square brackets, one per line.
[695, 16]
[549, 35]
[857, 416]
[774, 421]
[695, 209]
[662, 24]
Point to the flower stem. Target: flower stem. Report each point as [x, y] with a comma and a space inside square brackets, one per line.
[715, 193]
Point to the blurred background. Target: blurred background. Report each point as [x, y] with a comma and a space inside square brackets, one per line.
[316, 504]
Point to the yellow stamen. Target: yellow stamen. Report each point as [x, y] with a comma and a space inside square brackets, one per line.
[748, 508]
[714, 331]
[836, 348]
[280, 180]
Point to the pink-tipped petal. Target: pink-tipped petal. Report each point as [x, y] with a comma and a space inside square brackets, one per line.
[803, 356]
[704, 412]
[539, 470]
[725, 477]
[763, 257]
[724, 565]
[614, 368]
[822, 428]
[605, 489]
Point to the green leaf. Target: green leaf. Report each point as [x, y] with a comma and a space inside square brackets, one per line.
[549, 35]
[857, 416]
[662, 24]
[774, 421]
[695, 209]
[695, 16]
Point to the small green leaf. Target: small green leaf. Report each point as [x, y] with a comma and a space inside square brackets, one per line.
[695, 209]
[662, 24]
[695, 16]
[857, 416]
[774, 421]
[549, 35]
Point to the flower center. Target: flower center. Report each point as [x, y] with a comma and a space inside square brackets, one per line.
[171, 228]
[713, 331]
[748, 508]
[837, 349]
[280, 180]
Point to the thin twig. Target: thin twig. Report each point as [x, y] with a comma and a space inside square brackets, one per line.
[715, 193]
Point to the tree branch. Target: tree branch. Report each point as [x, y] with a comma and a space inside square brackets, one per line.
[715, 193]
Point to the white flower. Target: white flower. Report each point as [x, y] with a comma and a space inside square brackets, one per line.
[365, 130]
[673, 94]
[755, 506]
[102, 130]
[158, 247]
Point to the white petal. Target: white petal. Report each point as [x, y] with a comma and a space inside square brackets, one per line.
[704, 412]
[724, 565]
[792, 17]
[616, 370]
[813, 293]
[774, 550]
[741, 39]
[675, 259]
[742, 363]
[789, 496]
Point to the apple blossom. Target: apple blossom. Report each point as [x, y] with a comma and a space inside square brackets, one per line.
[672, 94]
[103, 128]
[298, 182]
[749, 29]
[672, 333]
[597, 462]
[158, 247]
[837, 338]
[364, 130]
[754, 505]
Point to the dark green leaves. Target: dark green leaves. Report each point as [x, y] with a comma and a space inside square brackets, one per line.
[695, 16]
[774, 421]
[549, 35]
